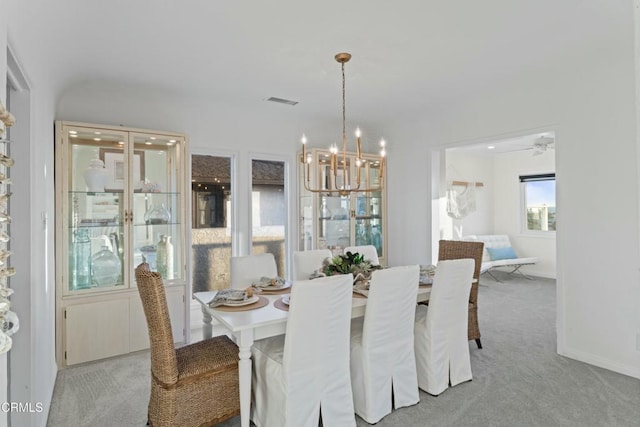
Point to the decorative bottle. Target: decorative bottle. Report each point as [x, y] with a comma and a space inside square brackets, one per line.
[106, 268]
[81, 260]
[164, 259]
[157, 215]
[325, 212]
[95, 176]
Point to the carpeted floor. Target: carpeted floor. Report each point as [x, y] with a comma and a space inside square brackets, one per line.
[518, 379]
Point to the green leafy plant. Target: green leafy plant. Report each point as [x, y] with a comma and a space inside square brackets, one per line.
[349, 263]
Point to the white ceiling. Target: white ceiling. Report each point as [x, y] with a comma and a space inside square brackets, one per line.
[408, 56]
[509, 145]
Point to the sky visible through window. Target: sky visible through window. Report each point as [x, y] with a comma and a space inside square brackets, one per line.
[541, 193]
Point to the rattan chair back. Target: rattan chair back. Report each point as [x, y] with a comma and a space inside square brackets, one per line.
[457, 249]
[164, 365]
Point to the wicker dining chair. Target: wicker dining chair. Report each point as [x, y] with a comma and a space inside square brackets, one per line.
[194, 385]
[456, 249]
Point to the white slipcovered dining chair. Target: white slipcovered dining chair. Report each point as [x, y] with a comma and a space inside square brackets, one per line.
[248, 269]
[369, 252]
[304, 374]
[442, 349]
[383, 364]
[305, 263]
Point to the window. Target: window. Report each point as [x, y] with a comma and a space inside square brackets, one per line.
[268, 209]
[539, 196]
[211, 221]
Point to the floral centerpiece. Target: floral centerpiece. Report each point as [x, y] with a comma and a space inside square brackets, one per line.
[351, 263]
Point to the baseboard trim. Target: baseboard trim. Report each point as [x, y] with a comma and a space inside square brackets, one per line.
[591, 359]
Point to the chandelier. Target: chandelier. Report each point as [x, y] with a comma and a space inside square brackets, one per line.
[346, 188]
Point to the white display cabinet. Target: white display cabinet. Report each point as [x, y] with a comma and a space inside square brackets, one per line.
[121, 198]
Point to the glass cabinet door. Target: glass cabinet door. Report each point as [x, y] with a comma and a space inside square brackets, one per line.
[96, 207]
[158, 205]
[368, 212]
[334, 222]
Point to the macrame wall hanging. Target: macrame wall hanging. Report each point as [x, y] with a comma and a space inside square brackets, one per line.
[461, 198]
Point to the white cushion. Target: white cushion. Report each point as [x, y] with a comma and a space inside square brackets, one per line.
[497, 241]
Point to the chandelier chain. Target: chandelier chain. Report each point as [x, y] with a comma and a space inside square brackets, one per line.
[344, 108]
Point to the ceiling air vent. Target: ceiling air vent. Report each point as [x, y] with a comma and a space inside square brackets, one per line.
[281, 100]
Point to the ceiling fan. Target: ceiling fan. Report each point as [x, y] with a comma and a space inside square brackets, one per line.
[542, 144]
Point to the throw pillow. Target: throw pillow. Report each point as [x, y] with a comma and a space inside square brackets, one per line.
[501, 253]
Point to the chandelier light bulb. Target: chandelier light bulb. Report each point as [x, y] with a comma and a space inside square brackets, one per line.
[358, 133]
[303, 139]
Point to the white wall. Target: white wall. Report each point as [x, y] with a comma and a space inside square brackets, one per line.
[588, 97]
[32, 360]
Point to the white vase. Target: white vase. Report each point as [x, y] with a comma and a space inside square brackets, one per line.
[164, 260]
[95, 176]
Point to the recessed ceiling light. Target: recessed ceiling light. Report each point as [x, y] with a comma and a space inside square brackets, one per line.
[73, 132]
[281, 101]
[73, 135]
[491, 147]
[148, 142]
[172, 140]
[97, 139]
[97, 133]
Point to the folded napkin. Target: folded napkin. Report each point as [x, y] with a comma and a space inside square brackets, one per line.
[229, 295]
[426, 273]
[361, 284]
[268, 282]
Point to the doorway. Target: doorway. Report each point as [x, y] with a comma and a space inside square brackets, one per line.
[493, 187]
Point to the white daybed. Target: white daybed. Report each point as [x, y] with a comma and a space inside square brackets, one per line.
[503, 244]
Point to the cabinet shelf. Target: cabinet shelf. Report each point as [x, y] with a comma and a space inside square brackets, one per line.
[142, 224]
[368, 217]
[96, 224]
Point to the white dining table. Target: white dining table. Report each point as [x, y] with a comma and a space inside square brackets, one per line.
[250, 325]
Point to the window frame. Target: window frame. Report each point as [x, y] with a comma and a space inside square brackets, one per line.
[523, 180]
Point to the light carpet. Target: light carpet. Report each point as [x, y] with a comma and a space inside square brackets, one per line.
[518, 379]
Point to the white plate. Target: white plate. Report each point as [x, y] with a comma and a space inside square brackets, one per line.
[286, 299]
[287, 285]
[248, 301]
